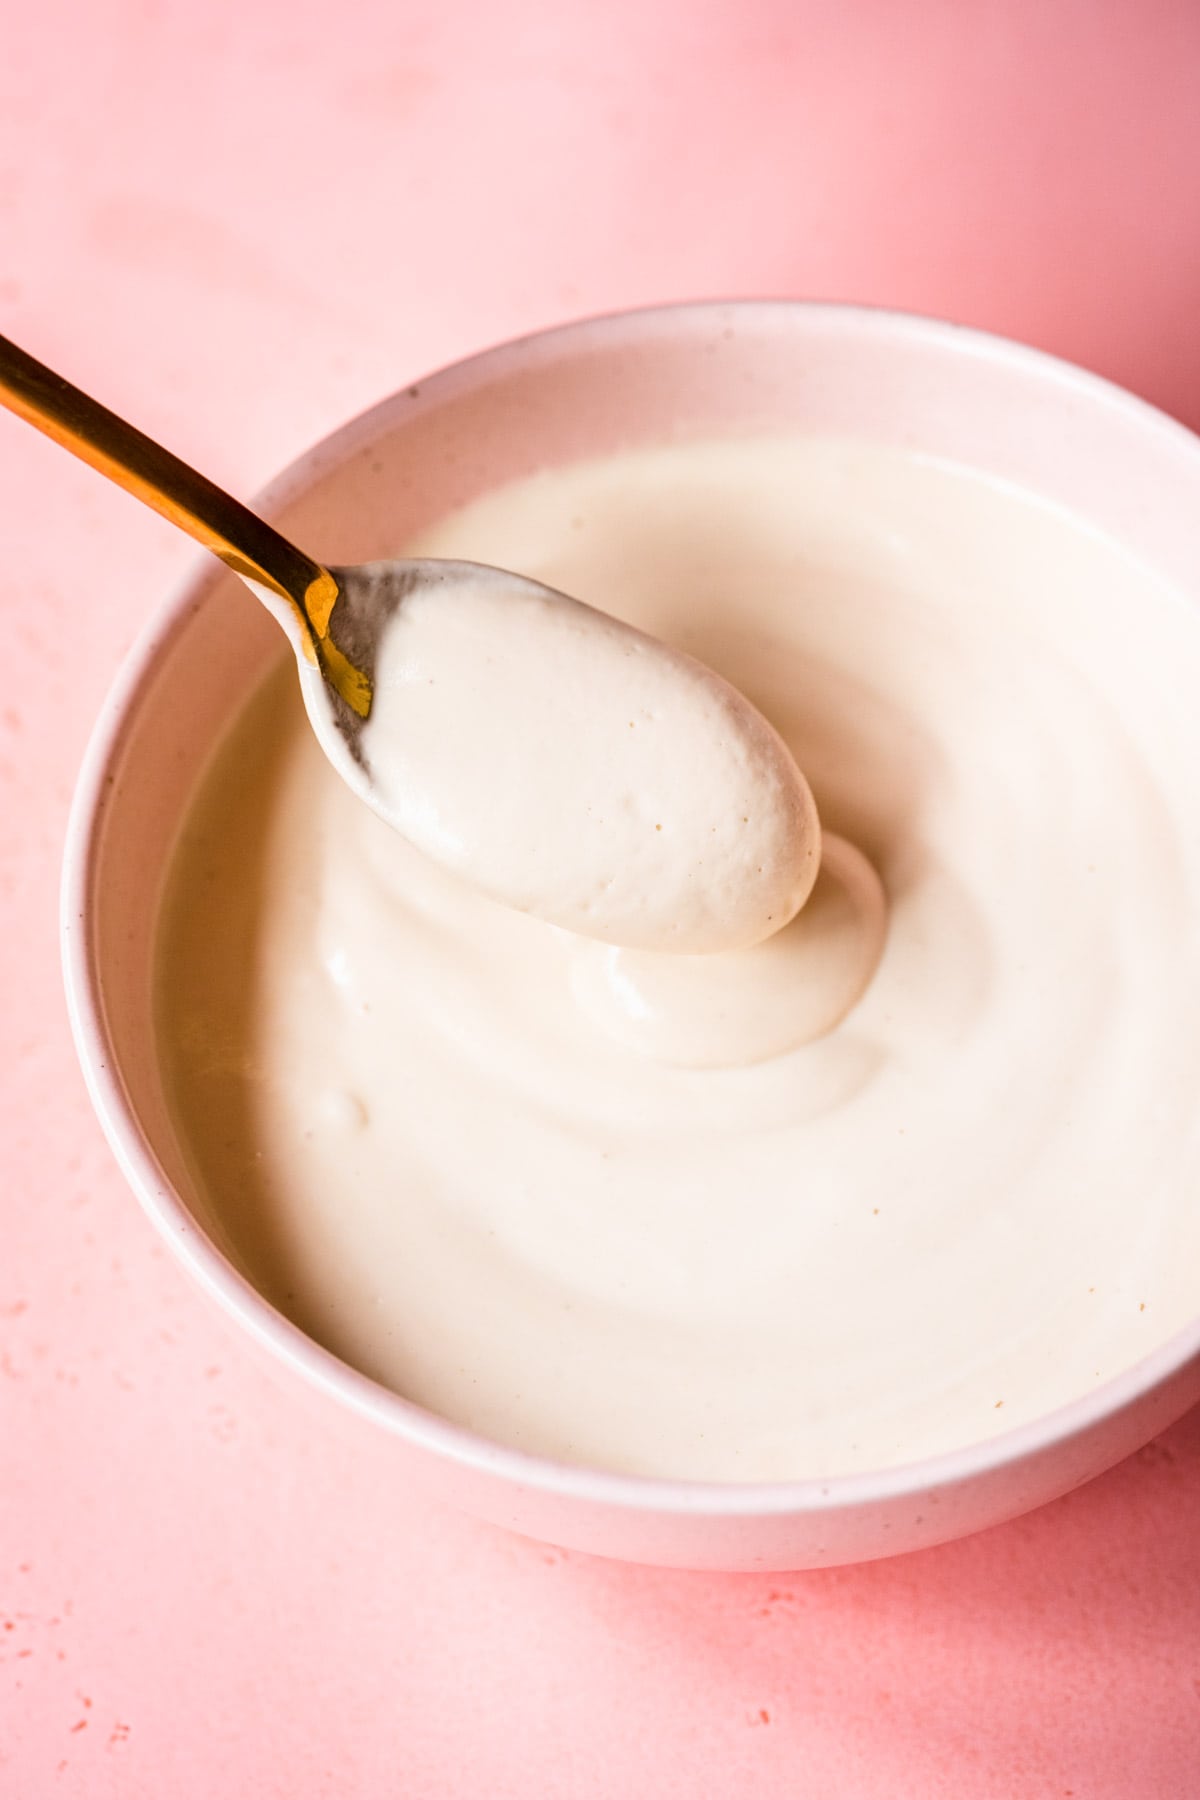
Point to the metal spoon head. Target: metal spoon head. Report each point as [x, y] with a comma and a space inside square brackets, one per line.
[501, 742]
[338, 683]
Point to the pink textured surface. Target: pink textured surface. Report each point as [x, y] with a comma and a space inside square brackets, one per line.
[240, 223]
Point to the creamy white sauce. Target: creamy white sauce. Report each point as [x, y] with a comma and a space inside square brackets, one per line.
[716, 1012]
[645, 1212]
[575, 768]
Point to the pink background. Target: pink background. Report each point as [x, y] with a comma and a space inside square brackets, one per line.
[240, 223]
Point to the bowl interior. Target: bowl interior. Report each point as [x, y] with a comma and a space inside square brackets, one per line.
[636, 380]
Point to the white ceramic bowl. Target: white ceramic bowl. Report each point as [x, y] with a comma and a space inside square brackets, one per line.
[589, 388]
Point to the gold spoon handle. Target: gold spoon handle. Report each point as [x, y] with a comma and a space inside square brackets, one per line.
[143, 468]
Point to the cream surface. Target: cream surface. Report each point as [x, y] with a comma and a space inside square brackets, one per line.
[589, 1205]
[578, 769]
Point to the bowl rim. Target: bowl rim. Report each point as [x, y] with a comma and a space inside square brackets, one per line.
[663, 1496]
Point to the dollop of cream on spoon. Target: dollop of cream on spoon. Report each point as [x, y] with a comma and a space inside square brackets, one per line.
[580, 770]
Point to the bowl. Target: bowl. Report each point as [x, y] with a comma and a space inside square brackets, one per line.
[582, 390]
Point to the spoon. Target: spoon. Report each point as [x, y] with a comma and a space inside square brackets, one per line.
[493, 721]
[250, 547]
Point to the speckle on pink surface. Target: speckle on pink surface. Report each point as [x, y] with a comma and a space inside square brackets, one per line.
[240, 223]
